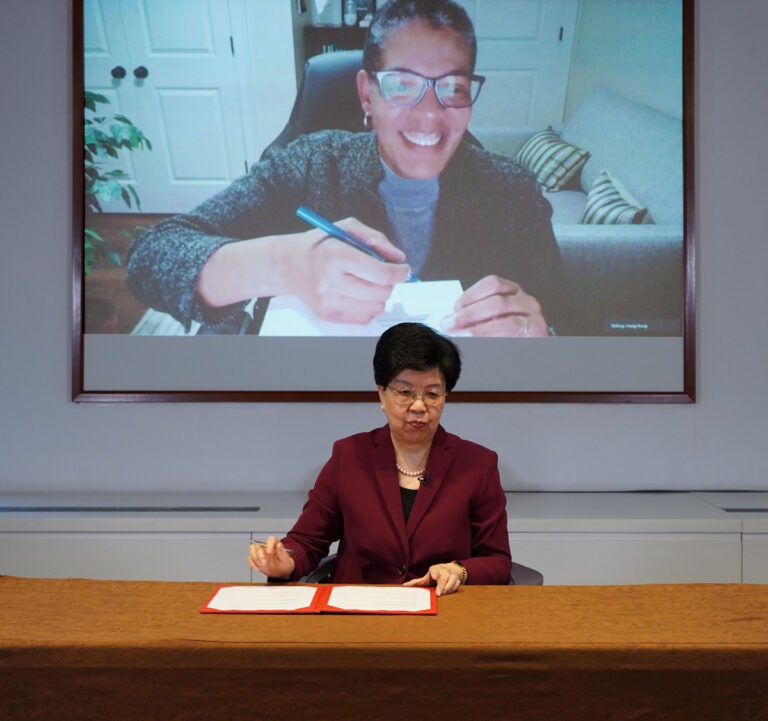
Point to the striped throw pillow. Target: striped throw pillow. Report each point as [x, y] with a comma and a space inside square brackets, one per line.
[609, 202]
[553, 161]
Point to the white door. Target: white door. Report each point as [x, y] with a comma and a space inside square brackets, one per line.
[181, 85]
[524, 50]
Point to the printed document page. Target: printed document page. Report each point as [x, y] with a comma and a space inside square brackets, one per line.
[379, 598]
[262, 598]
[425, 302]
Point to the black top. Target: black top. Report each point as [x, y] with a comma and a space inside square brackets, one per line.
[408, 496]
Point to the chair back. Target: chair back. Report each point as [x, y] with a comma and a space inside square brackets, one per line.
[327, 97]
[525, 576]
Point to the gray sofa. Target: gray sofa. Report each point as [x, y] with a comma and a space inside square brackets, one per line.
[628, 279]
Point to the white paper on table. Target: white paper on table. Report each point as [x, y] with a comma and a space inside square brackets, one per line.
[425, 302]
[380, 598]
[262, 598]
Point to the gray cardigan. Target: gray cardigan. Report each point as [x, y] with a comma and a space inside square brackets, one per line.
[491, 219]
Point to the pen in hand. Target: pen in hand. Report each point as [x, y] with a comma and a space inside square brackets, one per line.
[340, 234]
[263, 544]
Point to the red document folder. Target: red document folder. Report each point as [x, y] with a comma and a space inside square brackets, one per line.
[326, 598]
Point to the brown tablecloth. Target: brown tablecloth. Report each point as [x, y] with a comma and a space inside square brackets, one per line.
[109, 650]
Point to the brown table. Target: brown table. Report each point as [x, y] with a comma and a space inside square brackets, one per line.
[111, 650]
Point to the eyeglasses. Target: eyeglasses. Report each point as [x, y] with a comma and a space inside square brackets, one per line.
[407, 396]
[405, 88]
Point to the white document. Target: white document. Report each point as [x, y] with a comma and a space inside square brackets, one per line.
[380, 598]
[262, 598]
[425, 302]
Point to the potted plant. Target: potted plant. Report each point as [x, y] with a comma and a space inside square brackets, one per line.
[105, 137]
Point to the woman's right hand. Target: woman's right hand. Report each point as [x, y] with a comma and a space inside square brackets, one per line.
[337, 282]
[340, 283]
[271, 559]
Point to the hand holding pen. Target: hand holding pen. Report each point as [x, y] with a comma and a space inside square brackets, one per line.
[338, 280]
[271, 558]
[345, 280]
[339, 233]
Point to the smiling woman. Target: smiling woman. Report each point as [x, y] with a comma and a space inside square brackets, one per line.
[413, 189]
[417, 131]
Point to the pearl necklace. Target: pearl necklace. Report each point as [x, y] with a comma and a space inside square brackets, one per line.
[412, 474]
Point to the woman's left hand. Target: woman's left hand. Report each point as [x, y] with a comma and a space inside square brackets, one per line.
[496, 307]
[446, 576]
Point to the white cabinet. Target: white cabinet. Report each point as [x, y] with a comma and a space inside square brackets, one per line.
[751, 507]
[122, 536]
[627, 558]
[127, 556]
[755, 542]
[624, 538]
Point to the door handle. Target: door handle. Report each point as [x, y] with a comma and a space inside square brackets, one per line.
[118, 72]
[140, 72]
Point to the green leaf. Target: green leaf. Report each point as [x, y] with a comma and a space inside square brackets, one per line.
[131, 233]
[106, 190]
[95, 248]
[92, 135]
[135, 197]
[93, 235]
[128, 136]
[104, 139]
[92, 97]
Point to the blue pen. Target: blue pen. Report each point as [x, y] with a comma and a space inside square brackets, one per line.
[340, 234]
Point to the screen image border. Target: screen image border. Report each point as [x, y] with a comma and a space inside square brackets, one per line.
[612, 369]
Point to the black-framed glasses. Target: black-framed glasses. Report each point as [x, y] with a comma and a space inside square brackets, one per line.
[405, 88]
[407, 396]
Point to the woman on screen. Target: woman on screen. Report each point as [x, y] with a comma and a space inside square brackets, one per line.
[409, 503]
[412, 188]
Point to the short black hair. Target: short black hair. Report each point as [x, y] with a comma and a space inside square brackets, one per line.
[415, 346]
[395, 13]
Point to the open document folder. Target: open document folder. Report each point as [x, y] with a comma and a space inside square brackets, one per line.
[423, 302]
[326, 598]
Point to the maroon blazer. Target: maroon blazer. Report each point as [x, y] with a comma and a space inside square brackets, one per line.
[459, 513]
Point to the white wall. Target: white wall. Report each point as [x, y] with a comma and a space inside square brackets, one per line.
[47, 442]
[609, 52]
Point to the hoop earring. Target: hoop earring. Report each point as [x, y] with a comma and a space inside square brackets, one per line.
[366, 122]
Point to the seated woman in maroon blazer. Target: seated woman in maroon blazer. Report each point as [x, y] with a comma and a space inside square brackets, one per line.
[409, 503]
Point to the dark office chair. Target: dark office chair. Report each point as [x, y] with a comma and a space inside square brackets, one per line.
[521, 575]
[525, 576]
[327, 98]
